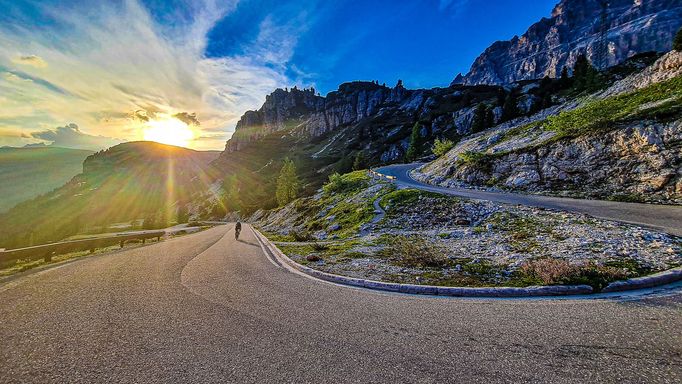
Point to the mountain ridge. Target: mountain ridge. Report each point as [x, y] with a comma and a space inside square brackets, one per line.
[575, 28]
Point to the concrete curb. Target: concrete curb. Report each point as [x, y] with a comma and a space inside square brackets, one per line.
[661, 278]
[554, 290]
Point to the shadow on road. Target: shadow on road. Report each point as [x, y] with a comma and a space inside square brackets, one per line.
[248, 242]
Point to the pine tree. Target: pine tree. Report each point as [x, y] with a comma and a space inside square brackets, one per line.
[585, 76]
[677, 43]
[233, 201]
[288, 184]
[478, 124]
[565, 80]
[360, 161]
[415, 148]
[489, 117]
[183, 214]
[509, 109]
[149, 222]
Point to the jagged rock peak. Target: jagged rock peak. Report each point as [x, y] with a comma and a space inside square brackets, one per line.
[311, 114]
[629, 27]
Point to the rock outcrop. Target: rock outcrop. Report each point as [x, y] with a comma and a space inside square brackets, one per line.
[634, 157]
[641, 161]
[576, 27]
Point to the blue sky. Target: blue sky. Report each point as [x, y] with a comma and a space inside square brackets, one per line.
[424, 42]
[106, 71]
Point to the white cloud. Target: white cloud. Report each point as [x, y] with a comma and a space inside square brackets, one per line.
[70, 136]
[107, 61]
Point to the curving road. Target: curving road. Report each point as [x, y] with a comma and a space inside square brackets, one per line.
[667, 218]
[205, 308]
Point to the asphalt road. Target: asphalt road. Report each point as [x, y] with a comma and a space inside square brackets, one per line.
[667, 218]
[205, 308]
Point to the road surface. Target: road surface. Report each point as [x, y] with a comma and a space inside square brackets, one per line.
[204, 308]
[667, 218]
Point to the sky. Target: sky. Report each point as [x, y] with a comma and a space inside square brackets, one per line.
[90, 73]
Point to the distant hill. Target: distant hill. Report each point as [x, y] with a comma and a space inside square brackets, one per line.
[135, 180]
[28, 172]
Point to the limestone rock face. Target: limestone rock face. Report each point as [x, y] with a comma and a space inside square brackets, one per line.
[313, 115]
[575, 27]
[638, 158]
[641, 159]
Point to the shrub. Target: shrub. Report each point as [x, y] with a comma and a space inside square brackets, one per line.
[441, 147]
[317, 247]
[301, 236]
[557, 271]
[549, 271]
[415, 252]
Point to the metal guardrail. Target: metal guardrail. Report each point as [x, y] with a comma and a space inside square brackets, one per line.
[46, 251]
[376, 175]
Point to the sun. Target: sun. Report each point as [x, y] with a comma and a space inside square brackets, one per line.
[168, 131]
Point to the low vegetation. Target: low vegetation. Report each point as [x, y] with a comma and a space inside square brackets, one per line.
[415, 252]
[477, 160]
[600, 115]
[442, 146]
[549, 271]
[348, 183]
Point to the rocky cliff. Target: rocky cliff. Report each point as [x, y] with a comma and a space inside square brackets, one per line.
[361, 115]
[306, 114]
[624, 143]
[626, 28]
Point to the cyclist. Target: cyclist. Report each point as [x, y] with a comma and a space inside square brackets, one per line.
[237, 229]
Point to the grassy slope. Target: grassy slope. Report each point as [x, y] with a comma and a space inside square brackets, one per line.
[29, 172]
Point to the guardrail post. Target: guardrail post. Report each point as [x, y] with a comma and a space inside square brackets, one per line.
[158, 238]
[144, 239]
[122, 241]
[48, 256]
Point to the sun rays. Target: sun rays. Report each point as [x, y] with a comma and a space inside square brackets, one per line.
[169, 131]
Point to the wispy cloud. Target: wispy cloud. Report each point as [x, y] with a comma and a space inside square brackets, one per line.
[452, 5]
[32, 60]
[105, 65]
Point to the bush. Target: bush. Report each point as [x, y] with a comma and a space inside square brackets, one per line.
[301, 236]
[557, 271]
[441, 147]
[317, 247]
[415, 252]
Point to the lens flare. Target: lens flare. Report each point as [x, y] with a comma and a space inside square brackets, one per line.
[168, 131]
